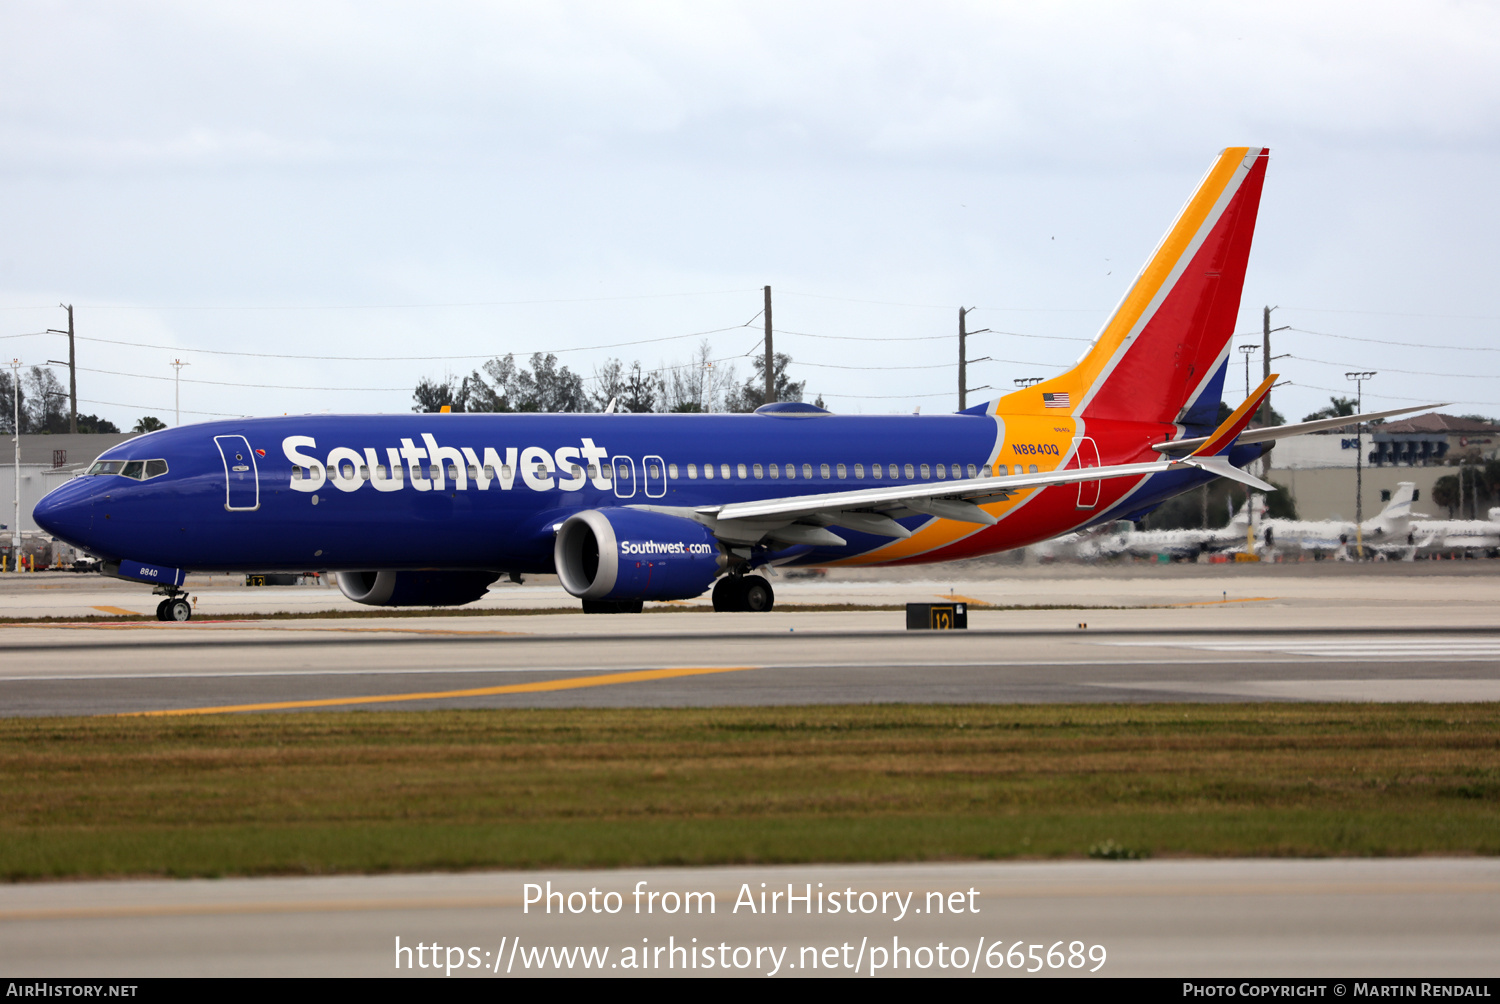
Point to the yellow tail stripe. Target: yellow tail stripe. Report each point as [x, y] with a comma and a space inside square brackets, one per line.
[540, 686]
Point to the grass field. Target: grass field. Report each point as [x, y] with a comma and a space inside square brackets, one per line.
[362, 791]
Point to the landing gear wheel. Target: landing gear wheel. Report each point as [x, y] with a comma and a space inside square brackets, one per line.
[756, 594]
[729, 595]
[178, 610]
[161, 610]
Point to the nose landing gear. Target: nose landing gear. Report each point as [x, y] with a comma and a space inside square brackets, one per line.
[175, 607]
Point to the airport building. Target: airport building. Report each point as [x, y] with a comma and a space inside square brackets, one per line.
[46, 462]
[1319, 471]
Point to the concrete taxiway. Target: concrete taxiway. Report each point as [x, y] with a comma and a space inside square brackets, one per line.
[1242, 919]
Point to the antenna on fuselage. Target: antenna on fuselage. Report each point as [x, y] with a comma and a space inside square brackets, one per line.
[609, 409]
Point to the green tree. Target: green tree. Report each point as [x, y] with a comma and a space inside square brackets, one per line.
[1337, 408]
[148, 423]
[753, 394]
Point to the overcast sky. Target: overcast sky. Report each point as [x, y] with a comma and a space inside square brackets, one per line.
[465, 180]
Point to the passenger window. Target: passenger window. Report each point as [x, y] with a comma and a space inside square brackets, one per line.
[823, 470]
[791, 472]
[1033, 468]
[607, 473]
[724, 470]
[692, 472]
[742, 472]
[775, 471]
[296, 473]
[807, 470]
[489, 472]
[576, 470]
[653, 471]
[926, 471]
[506, 475]
[973, 471]
[843, 472]
[877, 471]
[859, 472]
[760, 472]
[942, 472]
[708, 472]
[672, 471]
[896, 471]
[364, 473]
[957, 471]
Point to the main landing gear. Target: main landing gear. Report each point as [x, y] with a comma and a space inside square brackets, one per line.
[743, 593]
[175, 607]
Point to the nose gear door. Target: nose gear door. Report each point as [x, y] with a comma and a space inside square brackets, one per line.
[241, 480]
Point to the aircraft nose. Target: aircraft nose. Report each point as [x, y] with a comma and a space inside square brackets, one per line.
[67, 512]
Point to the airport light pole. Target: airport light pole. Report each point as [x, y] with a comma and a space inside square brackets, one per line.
[1359, 379]
[178, 364]
[1025, 382]
[1247, 351]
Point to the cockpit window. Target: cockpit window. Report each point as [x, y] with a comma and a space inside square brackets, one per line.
[140, 470]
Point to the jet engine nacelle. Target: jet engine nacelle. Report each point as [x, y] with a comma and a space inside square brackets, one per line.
[629, 554]
[415, 589]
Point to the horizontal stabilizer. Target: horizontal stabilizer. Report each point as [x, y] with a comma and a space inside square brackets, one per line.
[1274, 432]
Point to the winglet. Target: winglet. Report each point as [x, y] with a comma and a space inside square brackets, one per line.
[1212, 456]
[1224, 436]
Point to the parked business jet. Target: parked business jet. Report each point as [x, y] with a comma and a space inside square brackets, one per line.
[1388, 531]
[1457, 534]
[430, 509]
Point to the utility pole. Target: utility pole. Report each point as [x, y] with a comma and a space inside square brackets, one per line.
[963, 358]
[770, 356]
[1359, 460]
[72, 369]
[178, 364]
[15, 530]
[963, 368]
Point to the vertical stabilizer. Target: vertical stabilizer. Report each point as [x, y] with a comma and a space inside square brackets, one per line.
[1162, 356]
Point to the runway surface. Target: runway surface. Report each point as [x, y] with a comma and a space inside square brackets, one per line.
[301, 666]
[1242, 919]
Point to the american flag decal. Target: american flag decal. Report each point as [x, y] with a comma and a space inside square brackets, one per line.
[1056, 400]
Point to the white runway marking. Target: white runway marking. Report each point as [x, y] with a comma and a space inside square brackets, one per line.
[1381, 691]
[1371, 649]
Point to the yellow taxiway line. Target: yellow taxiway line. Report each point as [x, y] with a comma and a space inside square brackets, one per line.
[540, 686]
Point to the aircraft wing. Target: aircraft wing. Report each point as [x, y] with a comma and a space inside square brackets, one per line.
[1283, 431]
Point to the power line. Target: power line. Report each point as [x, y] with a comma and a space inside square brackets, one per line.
[1408, 345]
[1392, 313]
[401, 359]
[1384, 397]
[235, 383]
[142, 407]
[1404, 370]
[394, 306]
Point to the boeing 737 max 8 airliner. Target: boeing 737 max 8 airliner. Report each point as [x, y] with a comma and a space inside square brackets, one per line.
[431, 509]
